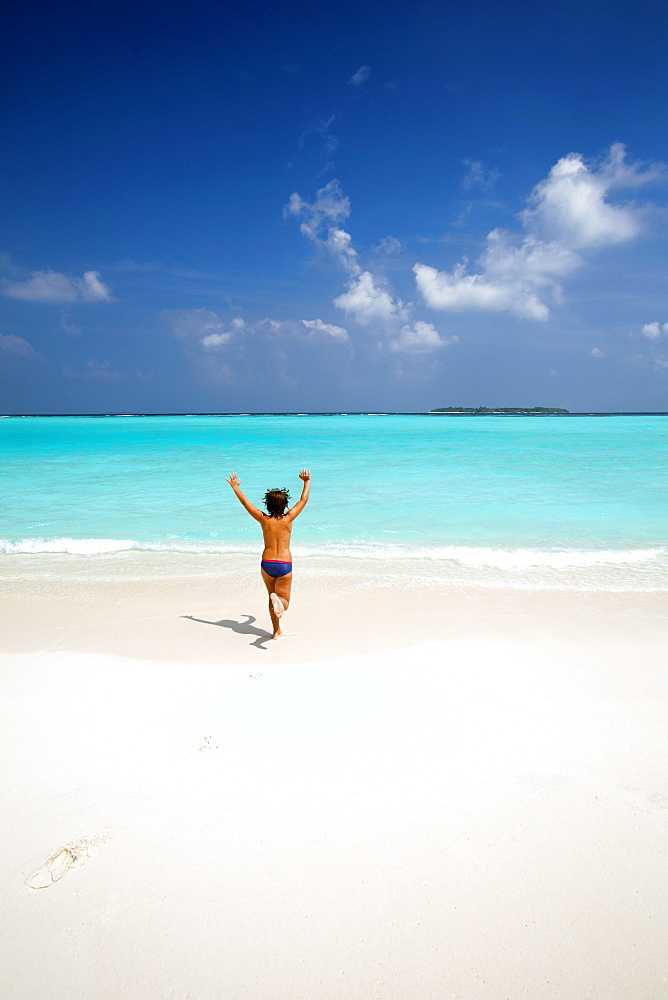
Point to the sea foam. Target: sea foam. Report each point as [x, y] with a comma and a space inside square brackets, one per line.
[469, 556]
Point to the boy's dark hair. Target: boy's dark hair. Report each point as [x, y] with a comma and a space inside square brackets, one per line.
[276, 502]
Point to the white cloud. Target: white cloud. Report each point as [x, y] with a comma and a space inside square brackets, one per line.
[570, 206]
[596, 352]
[420, 338]
[653, 330]
[360, 76]
[512, 277]
[339, 244]
[534, 262]
[51, 286]
[461, 291]
[317, 326]
[11, 344]
[368, 301]
[568, 213]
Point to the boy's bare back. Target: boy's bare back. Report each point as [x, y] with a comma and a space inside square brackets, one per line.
[276, 531]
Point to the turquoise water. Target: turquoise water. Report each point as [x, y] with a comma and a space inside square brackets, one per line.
[473, 495]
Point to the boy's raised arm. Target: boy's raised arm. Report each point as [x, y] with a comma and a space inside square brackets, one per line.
[305, 475]
[235, 483]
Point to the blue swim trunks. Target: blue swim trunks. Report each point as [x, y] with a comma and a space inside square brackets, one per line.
[273, 567]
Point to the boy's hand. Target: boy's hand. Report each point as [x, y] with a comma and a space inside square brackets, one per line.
[305, 475]
[234, 480]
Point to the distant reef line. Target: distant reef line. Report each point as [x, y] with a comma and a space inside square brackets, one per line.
[522, 411]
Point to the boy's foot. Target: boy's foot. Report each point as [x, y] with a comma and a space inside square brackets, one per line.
[277, 605]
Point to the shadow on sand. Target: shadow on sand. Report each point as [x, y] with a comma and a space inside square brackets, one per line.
[243, 628]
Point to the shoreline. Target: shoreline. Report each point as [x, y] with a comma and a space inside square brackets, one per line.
[342, 567]
[162, 616]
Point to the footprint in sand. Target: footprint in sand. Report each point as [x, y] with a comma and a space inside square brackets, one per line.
[60, 862]
[54, 867]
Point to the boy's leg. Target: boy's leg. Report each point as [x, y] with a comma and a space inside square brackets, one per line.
[280, 587]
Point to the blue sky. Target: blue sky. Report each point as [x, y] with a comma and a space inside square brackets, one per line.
[368, 206]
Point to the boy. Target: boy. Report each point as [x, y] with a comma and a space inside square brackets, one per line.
[276, 565]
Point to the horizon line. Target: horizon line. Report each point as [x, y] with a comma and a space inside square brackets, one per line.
[344, 413]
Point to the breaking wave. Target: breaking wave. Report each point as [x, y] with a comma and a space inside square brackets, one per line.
[359, 562]
[468, 556]
[505, 559]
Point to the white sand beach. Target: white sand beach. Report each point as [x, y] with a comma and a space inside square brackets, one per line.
[417, 794]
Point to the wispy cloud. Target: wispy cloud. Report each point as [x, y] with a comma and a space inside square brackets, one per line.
[331, 205]
[95, 369]
[389, 245]
[203, 330]
[52, 286]
[204, 334]
[568, 214]
[360, 76]
[659, 362]
[224, 352]
[10, 344]
[321, 128]
[479, 176]
[198, 325]
[70, 328]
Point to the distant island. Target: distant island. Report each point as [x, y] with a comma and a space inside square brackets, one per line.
[522, 411]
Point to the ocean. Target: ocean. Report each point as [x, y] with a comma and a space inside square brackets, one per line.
[558, 502]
